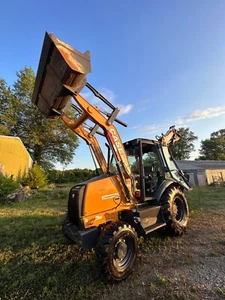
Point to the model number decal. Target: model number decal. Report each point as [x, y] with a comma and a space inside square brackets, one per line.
[110, 196]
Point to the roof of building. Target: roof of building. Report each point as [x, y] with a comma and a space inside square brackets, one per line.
[15, 139]
[201, 164]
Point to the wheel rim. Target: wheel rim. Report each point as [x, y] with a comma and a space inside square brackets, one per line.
[124, 253]
[178, 209]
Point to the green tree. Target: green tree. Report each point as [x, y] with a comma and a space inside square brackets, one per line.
[214, 147]
[183, 148]
[6, 111]
[47, 141]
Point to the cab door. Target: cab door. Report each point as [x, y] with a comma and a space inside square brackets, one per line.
[172, 170]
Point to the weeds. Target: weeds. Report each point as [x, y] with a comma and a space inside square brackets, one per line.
[204, 199]
[37, 262]
[7, 185]
[152, 287]
[220, 291]
[160, 280]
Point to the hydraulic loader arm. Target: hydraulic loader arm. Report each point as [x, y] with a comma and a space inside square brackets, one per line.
[111, 134]
[89, 139]
[91, 112]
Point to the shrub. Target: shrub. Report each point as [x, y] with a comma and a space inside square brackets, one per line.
[7, 185]
[66, 176]
[36, 178]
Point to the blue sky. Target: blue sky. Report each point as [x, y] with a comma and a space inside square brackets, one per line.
[161, 62]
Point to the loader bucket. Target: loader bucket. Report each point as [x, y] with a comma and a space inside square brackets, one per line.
[59, 64]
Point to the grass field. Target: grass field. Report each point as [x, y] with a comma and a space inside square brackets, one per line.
[37, 262]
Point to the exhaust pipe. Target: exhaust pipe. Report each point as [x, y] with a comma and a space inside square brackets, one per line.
[59, 64]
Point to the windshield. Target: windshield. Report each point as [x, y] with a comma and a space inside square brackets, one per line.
[133, 162]
[173, 170]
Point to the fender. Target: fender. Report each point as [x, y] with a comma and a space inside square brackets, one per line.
[163, 186]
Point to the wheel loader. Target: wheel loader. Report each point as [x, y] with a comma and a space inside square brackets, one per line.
[139, 188]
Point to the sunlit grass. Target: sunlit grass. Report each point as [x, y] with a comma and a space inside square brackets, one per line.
[37, 262]
[204, 199]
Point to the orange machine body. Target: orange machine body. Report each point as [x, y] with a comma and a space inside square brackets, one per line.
[102, 201]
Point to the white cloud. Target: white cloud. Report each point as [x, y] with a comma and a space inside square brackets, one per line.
[143, 108]
[207, 113]
[150, 129]
[110, 96]
[144, 105]
[135, 127]
[124, 109]
[89, 96]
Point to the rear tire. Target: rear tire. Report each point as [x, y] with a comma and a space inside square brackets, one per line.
[175, 211]
[117, 250]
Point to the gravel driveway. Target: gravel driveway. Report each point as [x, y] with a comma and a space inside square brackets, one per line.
[190, 267]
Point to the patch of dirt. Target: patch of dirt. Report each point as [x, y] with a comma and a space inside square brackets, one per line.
[189, 267]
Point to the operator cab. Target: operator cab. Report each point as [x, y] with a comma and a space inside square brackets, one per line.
[151, 163]
[146, 166]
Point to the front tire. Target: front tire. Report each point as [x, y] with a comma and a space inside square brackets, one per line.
[175, 211]
[117, 249]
